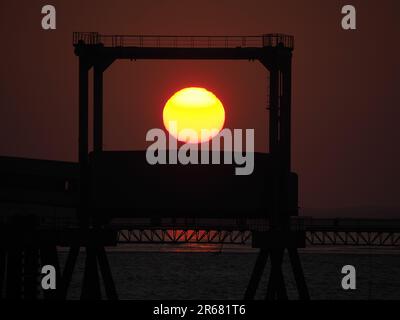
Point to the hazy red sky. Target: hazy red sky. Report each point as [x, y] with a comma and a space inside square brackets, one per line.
[346, 95]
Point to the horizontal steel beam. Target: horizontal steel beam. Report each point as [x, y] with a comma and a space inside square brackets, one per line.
[137, 53]
[376, 239]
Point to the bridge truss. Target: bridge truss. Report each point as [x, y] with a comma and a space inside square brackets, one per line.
[318, 232]
[244, 237]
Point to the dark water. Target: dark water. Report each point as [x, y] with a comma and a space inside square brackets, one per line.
[165, 274]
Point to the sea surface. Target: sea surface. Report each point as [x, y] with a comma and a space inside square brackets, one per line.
[215, 272]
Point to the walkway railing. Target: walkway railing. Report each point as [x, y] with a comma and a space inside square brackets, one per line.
[160, 41]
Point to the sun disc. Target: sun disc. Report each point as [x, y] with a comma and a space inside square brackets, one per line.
[194, 115]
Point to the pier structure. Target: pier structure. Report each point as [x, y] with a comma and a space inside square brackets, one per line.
[111, 193]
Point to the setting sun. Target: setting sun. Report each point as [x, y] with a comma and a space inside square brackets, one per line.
[194, 115]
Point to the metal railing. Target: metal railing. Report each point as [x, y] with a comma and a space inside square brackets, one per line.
[161, 41]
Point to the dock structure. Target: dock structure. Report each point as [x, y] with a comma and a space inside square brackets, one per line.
[113, 197]
[273, 186]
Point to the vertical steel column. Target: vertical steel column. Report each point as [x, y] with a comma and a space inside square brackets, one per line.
[68, 271]
[256, 274]
[298, 274]
[279, 66]
[91, 280]
[98, 107]
[285, 111]
[276, 283]
[273, 110]
[285, 96]
[105, 270]
[84, 67]
[274, 142]
[2, 271]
